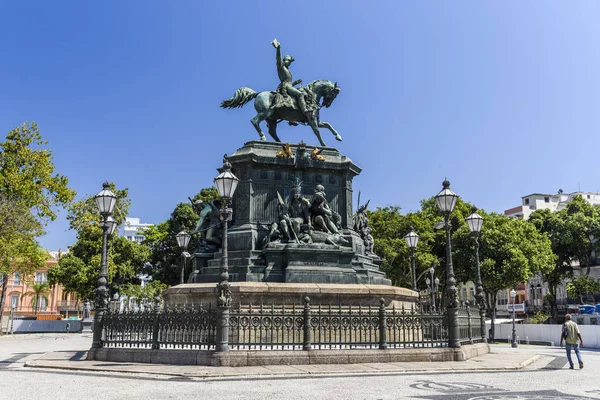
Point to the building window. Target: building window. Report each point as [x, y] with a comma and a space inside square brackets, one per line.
[502, 298]
[129, 237]
[14, 301]
[471, 293]
[546, 199]
[526, 201]
[41, 277]
[588, 196]
[17, 278]
[43, 304]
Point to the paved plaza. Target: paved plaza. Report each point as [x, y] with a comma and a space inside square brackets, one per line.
[33, 366]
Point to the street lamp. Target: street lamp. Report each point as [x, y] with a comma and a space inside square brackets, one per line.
[226, 183]
[513, 295]
[412, 239]
[183, 239]
[475, 221]
[105, 200]
[433, 285]
[446, 200]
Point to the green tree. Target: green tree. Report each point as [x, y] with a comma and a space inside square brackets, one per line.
[39, 292]
[31, 193]
[582, 287]
[568, 231]
[511, 252]
[78, 271]
[389, 226]
[166, 259]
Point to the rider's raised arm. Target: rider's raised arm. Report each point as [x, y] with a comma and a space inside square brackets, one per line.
[278, 57]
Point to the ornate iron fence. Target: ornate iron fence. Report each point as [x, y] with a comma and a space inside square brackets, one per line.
[292, 327]
[183, 327]
[470, 327]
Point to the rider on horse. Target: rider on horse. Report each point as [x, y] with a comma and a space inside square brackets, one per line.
[285, 76]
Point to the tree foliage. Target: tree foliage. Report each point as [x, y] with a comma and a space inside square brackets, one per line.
[78, 271]
[31, 192]
[38, 292]
[166, 259]
[389, 226]
[569, 232]
[511, 251]
[143, 294]
[581, 287]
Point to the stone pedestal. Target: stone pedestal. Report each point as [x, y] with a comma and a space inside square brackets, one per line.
[257, 293]
[262, 176]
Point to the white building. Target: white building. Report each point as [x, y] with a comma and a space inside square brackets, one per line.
[553, 202]
[535, 290]
[132, 229]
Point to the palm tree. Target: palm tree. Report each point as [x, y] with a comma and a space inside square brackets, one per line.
[39, 291]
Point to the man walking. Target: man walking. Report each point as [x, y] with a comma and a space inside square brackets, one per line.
[570, 333]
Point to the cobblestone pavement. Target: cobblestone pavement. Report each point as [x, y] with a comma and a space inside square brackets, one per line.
[529, 372]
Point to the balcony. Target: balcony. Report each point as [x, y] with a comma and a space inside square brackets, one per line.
[517, 308]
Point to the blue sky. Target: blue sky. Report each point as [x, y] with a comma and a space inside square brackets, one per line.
[500, 97]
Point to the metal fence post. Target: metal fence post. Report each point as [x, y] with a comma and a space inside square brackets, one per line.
[469, 321]
[306, 314]
[482, 322]
[382, 325]
[155, 345]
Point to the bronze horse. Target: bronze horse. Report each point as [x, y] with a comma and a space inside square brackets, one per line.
[268, 108]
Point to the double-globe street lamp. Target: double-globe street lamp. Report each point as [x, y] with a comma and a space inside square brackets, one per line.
[412, 239]
[446, 200]
[474, 222]
[183, 239]
[226, 183]
[433, 285]
[105, 200]
[513, 295]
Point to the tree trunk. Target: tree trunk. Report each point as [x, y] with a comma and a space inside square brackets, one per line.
[552, 300]
[493, 315]
[3, 297]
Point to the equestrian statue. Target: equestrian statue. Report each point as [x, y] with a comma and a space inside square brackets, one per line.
[296, 105]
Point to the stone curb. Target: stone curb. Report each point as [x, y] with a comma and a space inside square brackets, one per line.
[76, 366]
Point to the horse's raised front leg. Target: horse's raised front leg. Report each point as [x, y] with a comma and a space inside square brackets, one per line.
[327, 125]
[313, 124]
[256, 124]
[272, 124]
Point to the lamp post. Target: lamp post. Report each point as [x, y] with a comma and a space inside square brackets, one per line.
[226, 183]
[412, 239]
[446, 200]
[513, 295]
[475, 221]
[105, 200]
[183, 239]
[432, 285]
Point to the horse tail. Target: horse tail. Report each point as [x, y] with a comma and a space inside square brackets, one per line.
[241, 96]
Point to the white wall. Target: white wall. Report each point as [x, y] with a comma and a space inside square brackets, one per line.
[547, 333]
